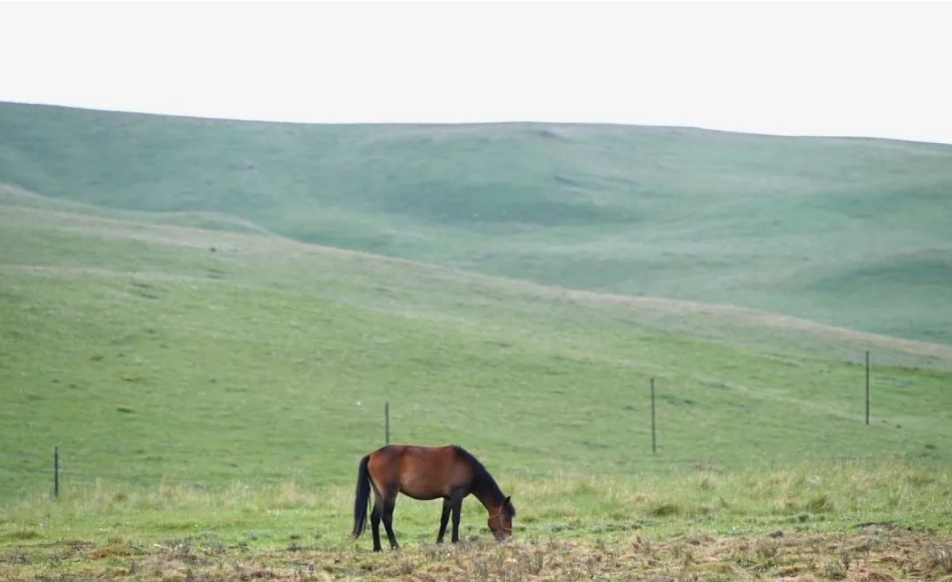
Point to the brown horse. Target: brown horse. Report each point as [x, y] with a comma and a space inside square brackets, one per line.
[449, 472]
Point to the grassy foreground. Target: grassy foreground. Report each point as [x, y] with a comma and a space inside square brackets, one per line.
[880, 553]
[837, 521]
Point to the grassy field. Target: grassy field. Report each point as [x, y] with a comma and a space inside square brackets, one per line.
[211, 376]
[282, 354]
[847, 232]
[211, 392]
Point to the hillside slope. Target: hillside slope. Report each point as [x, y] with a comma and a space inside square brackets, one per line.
[151, 352]
[846, 232]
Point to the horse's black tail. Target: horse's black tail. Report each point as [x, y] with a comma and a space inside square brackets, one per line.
[362, 498]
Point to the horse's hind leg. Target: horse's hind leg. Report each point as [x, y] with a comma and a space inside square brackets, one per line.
[388, 505]
[375, 522]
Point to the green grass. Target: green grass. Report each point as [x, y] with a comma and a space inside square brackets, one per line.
[144, 355]
[811, 497]
[848, 232]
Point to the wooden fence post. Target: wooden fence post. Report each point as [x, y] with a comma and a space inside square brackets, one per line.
[654, 437]
[867, 387]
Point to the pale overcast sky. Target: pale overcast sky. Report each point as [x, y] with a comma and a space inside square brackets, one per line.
[801, 68]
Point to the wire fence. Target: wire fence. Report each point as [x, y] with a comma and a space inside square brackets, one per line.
[70, 469]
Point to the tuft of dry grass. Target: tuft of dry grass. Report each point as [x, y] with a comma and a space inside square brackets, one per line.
[872, 554]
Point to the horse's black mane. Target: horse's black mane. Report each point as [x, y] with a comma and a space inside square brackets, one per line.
[482, 478]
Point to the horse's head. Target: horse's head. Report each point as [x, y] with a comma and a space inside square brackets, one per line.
[500, 519]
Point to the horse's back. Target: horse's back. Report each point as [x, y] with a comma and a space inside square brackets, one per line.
[418, 471]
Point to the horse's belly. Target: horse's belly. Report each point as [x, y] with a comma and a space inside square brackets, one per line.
[423, 489]
[421, 495]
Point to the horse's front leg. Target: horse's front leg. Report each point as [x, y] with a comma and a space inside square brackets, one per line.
[444, 519]
[457, 509]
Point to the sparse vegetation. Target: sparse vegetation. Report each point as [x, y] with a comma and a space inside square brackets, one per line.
[614, 531]
[884, 554]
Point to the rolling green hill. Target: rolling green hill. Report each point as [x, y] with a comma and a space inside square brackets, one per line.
[847, 232]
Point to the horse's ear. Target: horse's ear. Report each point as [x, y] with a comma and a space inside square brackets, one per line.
[507, 500]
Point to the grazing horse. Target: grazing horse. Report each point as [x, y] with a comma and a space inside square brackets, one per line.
[424, 473]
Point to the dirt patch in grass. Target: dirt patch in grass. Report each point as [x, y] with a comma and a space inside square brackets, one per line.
[871, 554]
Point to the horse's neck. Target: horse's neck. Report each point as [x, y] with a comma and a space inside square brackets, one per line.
[486, 491]
[485, 498]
